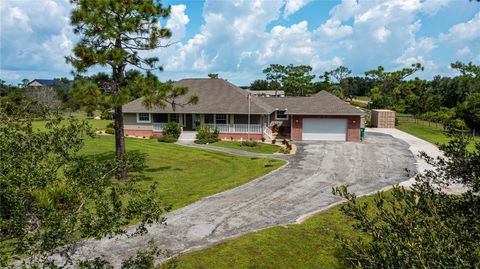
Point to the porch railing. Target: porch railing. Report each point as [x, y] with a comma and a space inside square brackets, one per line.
[237, 128]
[158, 127]
[267, 132]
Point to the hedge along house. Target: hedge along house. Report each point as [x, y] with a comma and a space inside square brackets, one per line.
[224, 106]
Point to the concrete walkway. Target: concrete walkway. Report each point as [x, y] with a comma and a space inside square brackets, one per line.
[234, 151]
[285, 196]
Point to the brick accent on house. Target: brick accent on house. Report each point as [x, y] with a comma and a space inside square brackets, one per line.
[239, 136]
[353, 126]
[142, 133]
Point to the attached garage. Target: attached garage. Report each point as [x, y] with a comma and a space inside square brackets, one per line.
[324, 129]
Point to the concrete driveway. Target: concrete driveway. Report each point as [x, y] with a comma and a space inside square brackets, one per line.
[287, 195]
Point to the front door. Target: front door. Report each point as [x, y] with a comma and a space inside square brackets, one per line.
[188, 122]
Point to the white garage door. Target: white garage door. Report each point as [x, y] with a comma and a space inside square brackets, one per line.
[325, 129]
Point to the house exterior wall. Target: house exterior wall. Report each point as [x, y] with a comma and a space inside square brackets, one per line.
[353, 126]
[130, 123]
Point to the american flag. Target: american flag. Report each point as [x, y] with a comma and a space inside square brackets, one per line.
[249, 97]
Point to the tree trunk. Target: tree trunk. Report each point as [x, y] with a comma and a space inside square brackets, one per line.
[120, 143]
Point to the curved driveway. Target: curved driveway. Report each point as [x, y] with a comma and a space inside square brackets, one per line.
[284, 196]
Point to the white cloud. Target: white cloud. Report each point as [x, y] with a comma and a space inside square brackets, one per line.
[463, 32]
[177, 21]
[431, 7]
[293, 6]
[333, 29]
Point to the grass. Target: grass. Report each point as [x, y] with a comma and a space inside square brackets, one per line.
[96, 124]
[431, 134]
[184, 174]
[311, 244]
[261, 148]
[362, 98]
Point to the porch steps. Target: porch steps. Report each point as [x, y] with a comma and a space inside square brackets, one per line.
[187, 136]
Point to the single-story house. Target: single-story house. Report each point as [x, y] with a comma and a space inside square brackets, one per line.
[225, 106]
[268, 93]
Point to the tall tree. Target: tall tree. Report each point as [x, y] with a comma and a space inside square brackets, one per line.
[298, 80]
[259, 85]
[113, 35]
[275, 74]
[389, 81]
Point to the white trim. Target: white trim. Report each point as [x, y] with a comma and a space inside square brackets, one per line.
[144, 121]
[277, 118]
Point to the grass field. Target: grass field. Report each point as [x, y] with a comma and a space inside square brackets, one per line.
[262, 147]
[311, 244]
[431, 134]
[96, 124]
[184, 174]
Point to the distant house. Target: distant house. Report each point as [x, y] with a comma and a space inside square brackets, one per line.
[45, 91]
[268, 93]
[224, 106]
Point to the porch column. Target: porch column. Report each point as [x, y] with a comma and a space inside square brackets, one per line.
[231, 126]
[202, 119]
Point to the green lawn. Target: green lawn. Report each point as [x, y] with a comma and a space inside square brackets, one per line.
[431, 134]
[262, 147]
[184, 174]
[96, 124]
[311, 244]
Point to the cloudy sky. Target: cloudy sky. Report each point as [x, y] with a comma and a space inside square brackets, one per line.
[237, 39]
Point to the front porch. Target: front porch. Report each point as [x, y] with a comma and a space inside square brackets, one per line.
[226, 123]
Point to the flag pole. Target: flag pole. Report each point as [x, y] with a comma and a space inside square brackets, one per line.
[249, 100]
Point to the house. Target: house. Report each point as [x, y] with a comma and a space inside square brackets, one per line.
[45, 91]
[225, 106]
[268, 93]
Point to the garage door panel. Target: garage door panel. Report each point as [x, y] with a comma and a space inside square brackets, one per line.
[324, 129]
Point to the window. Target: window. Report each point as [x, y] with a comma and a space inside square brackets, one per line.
[280, 115]
[143, 117]
[221, 118]
[174, 117]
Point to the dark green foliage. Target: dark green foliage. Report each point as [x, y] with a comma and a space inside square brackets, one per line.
[213, 75]
[172, 129]
[469, 111]
[168, 138]
[294, 80]
[249, 143]
[51, 196]
[260, 85]
[205, 135]
[423, 227]
[110, 131]
[274, 141]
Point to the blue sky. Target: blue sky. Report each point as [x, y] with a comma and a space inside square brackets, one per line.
[237, 39]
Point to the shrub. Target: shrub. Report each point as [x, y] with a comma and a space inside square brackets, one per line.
[168, 138]
[206, 136]
[206, 141]
[284, 150]
[274, 141]
[284, 141]
[249, 143]
[263, 139]
[110, 131]
[111, 125]
[172, 129]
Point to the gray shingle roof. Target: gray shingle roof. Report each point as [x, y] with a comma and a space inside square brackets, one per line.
[220, 96]
[215, 96]
[322, 103]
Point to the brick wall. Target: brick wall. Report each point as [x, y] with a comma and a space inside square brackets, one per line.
[353, 126]
[239, 136]
[142, 133]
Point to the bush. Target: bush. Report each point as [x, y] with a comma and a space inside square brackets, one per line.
[284, 141]
[111, 125]
[168, 138]
[249, 143]
[172, 129]
[110, 131]
[206, 141]
[263, 139]
[284, 150]
[206, 136]
[274, 141]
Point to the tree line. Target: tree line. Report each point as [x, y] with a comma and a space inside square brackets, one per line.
[448, 100]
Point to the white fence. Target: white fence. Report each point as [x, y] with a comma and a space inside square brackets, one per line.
[237, 128]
